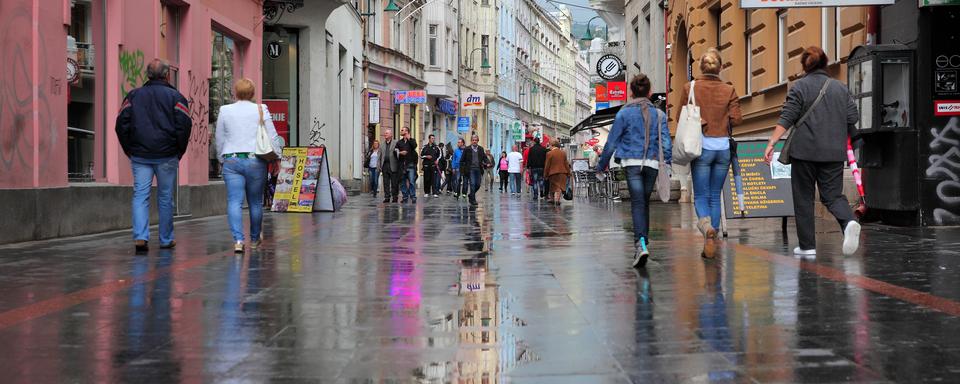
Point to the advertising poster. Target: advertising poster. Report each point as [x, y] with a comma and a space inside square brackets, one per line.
[616, 90]
[298, 180]
[766, 187]
[280, 112]
[601, 93]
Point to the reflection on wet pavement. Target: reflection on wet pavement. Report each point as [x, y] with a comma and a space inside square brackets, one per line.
[509, 292]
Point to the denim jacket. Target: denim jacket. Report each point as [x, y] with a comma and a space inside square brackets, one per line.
[627, 135]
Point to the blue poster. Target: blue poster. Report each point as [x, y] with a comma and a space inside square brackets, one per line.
[603, 105]
[463, 124]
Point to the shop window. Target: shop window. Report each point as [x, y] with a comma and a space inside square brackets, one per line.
[223, 55]
[432, 33]
[82, 96]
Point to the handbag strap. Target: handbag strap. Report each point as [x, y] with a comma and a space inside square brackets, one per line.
[646, 135]
[692, 98]
[660, 139]
[260, 109]
[823, 90]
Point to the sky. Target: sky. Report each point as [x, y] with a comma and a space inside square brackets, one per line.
[580, 15]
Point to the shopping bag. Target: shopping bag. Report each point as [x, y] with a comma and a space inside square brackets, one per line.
[689, 140]
[264, 148]
[663, 176]
[568, 193]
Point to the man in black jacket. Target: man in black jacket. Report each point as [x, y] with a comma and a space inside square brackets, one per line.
[407, 147]
[430, 154]
[473, 161]
[154, 128]
[535, 162]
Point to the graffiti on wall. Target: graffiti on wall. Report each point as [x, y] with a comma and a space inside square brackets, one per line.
[199, 100]
[17, 109]
[944, 162]
[316, 132]
[133, 71]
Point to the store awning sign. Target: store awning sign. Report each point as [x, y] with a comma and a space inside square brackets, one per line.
[473, 100]
[447, 106]
[410, 97]
[746, 4]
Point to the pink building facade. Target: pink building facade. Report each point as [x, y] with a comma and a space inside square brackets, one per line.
[65, 66]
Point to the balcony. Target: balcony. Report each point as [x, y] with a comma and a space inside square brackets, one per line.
[392, 59]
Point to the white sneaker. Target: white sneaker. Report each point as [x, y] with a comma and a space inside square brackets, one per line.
[436, 195]
[238, 247]
[426, 195]
[804, 252]
[851, 238]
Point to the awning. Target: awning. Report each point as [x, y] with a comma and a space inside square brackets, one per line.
[602, 118]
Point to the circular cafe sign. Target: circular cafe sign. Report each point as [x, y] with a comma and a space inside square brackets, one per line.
[609, 67]
[274, 49]
[73, 71]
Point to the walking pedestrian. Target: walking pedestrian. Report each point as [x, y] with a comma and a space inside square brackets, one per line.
[430, 154]
[458, 184]
[488, 171]
[514, 168]
[153, 128]
[389, 167]
[407, 150]
[503, 167]
[472, 163]
[720, 110]
[557, 169]
[373, 166]
[443, 167]
[819, 131]
[537, 159]
[243, 173]
[638, 129]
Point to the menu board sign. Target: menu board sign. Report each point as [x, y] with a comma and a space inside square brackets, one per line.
[766, 187]
[298, 179]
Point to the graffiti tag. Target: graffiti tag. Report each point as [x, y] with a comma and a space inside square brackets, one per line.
[198, 99]
[132, 68]
[315, 133]
[946, 165]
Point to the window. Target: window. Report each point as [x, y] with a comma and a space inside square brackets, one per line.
[449, 51]
[413, 40]
[83, 96]
[432, 33]
[484, 40]
[781, 47]
[223, 57]
[485, 3]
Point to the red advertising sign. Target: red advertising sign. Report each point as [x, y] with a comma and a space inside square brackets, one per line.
[280, 112]
[946, 107]
[601, 92]
[593, 141]
[617, 90]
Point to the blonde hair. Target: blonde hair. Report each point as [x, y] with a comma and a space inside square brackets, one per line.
[244, 89]
[554, 142]
[711, 62]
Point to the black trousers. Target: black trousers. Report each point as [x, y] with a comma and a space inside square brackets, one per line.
[391, 184]
[828, 177]
[429, 174]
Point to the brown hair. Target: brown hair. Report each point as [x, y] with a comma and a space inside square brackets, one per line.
[813, 59]
[640, 86]
[244, 89]
[711, 62]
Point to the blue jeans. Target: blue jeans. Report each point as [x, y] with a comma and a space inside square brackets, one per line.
[476, 179]
[374, 180]
[515, 180]
[640, 181]
[408, 185]
[709, 172]
[144, 171]
[539, 184]
[244, 177]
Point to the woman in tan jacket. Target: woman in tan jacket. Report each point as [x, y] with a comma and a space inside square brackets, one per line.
[556, 169]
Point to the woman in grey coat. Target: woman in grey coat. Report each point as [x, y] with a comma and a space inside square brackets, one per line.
[818, 150]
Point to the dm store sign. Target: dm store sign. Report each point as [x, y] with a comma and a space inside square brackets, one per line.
[473, 100]
[410, 97]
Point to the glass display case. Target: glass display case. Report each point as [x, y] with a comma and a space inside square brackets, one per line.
[878, 77]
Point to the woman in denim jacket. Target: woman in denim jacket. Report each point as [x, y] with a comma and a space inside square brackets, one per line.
[641, 163]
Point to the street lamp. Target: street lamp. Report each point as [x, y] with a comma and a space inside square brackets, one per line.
[589, 35]
[484, 64]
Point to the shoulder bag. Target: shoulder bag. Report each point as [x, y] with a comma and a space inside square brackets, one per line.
[689, 140]
[663, 176]
[785, 157]
[264, 149]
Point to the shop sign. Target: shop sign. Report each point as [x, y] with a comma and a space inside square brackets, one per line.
[609, 67]
[410, 97]
[517, 132]
[946, 107]
[274, 50]
[447, 106]
[463, 124]
[616, 90]
[601, 92]
[815, 3]
[279, 112]
[373, 110]
[593, 141]
[473, 100]
[932, 3]
[603, 105]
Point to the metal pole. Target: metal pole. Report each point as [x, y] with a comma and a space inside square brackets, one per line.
[459, 61]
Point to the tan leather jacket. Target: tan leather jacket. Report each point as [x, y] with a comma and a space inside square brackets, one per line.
[718, 102]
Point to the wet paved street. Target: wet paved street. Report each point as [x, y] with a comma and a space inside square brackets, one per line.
[510, 292]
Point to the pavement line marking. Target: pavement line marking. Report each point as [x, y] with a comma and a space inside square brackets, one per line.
[923, 299]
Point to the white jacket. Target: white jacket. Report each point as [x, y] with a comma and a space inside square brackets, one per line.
[237, 126]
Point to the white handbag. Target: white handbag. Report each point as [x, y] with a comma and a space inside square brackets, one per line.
[264, 149]
[689, 140]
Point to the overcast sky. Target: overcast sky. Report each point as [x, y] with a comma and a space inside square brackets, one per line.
[580, 15]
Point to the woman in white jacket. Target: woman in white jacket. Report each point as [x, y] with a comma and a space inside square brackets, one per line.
[243, 172]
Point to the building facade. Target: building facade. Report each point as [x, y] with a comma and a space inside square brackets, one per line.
[645, 42]
[478, 57]
[441, 70]
[504, 121]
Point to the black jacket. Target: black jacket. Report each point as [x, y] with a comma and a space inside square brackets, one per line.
[537, 157]
[466, 160]
[409, 145]
[433, 151]
[154, 122]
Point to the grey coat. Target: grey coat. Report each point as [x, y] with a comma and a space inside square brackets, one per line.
[823, 136]
[388, 157]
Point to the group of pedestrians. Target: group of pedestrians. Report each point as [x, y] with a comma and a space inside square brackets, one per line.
[640, 132]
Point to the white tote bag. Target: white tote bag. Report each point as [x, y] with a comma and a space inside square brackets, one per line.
[689, 141]
[264, 149]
